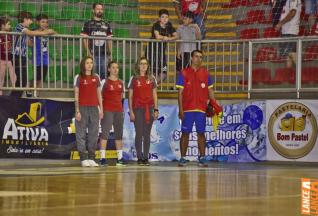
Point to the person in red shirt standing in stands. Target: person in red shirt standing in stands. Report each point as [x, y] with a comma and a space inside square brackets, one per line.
[88, 111]
[143, 107]
[112, 94]
[195, 89]
[197, 7]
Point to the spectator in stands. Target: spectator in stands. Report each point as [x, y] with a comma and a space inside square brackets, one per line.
[88, 111]
[277, 10]
[195, 89]
[112, 93]
[187, 31]
[289, 26]
[143, 107]
[311, 7]
[41, 54]
[164, 31]
[20, 47]
[100, 50]
[197, 7]
[5, 53]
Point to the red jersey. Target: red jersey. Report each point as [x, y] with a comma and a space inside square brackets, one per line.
[5, 47]
[142, 87]
[195, 84]
[87, 90]
[112, 95]
[193, 6]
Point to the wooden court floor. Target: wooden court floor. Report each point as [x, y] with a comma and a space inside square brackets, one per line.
[161, 189]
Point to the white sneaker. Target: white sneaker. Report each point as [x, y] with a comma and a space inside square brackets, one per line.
[92, 163]
[85, 163]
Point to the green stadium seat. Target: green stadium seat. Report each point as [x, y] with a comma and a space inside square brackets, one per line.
[29, 7]
[132, 16]
[128, 74]
[90, 2]
[117, 55]
[112, 16]
[121, 33]
[55, 54]
[51, 10]
[62, 29]
[67, 53]
[74, 52]
[73, 1]
[49, 76]
[53, 73]
[14, 23]
[76, 30]
[107, 2]
[87, 14]
[124, 3]
[8, 8]
[30, 72]
[71, 13]
[57, 73]
[76, 70]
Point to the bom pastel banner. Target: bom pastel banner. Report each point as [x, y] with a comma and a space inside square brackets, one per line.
[292, 130]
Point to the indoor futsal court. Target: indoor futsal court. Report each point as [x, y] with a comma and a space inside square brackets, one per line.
[162, 189]
[158, 107]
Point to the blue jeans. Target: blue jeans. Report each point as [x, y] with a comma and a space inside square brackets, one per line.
[100, 65]
[287, 47]
[198, 19]
[311, 7]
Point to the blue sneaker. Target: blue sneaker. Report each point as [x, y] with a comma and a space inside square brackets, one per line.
[103, 162]
[202, 162]
[121, 162]
[182, 162]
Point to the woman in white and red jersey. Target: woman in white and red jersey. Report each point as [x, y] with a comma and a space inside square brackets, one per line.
[143, 107]
[88, 111]
[112, 93]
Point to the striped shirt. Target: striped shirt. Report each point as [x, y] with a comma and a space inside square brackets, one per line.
[20, 42]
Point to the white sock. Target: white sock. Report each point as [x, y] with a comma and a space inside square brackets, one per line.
[102, 153]
[119, 154]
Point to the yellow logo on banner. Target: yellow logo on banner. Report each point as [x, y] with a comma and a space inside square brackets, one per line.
[32, 116]
[290, 123]
[25, 129]
[292, 130]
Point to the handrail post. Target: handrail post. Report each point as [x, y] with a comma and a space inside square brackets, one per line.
[298, 65]
[250, 59]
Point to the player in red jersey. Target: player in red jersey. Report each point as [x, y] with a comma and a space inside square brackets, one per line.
[195, 89]
[88, 111]
[112, 94]
[143, 107]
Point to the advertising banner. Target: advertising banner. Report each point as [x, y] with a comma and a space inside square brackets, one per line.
[35, 128]
[292, 130]
[45, 129]
[240, 137]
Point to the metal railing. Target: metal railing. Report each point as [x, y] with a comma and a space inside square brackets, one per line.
[306, 56]
[230, 62]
